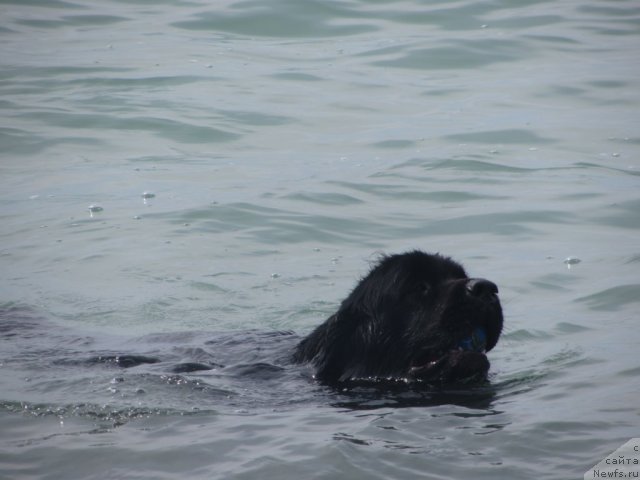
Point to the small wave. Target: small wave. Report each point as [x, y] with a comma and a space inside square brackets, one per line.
[612, 299]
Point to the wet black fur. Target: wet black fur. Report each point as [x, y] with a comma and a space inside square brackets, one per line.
[411, 310]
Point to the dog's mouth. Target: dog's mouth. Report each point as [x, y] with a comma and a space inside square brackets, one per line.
[466, 360]
[476, 342]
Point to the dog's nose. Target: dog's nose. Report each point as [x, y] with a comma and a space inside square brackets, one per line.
[479, 287]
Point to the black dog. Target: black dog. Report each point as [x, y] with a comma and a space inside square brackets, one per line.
[414, 317]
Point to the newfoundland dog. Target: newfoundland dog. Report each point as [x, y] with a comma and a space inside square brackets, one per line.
[414, 317]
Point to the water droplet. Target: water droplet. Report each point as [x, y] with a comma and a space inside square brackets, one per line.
[275, 275]
[94, 209]
[147, 196]
[571, 261]
[136, 217]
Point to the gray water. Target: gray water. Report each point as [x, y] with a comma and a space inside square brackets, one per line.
[283, 145]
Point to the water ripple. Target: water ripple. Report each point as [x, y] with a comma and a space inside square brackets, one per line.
[462, 54]
[179, 131]
[311, 19]
[612, 299]
[73, 20]
[525, 137]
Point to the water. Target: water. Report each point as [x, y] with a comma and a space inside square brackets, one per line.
[204, 183]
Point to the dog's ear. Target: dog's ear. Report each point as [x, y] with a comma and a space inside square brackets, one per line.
[325, 348]
[338, 348]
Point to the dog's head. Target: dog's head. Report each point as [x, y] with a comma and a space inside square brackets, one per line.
[415, 317]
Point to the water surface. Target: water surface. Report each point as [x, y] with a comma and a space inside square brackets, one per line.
[282, 146]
